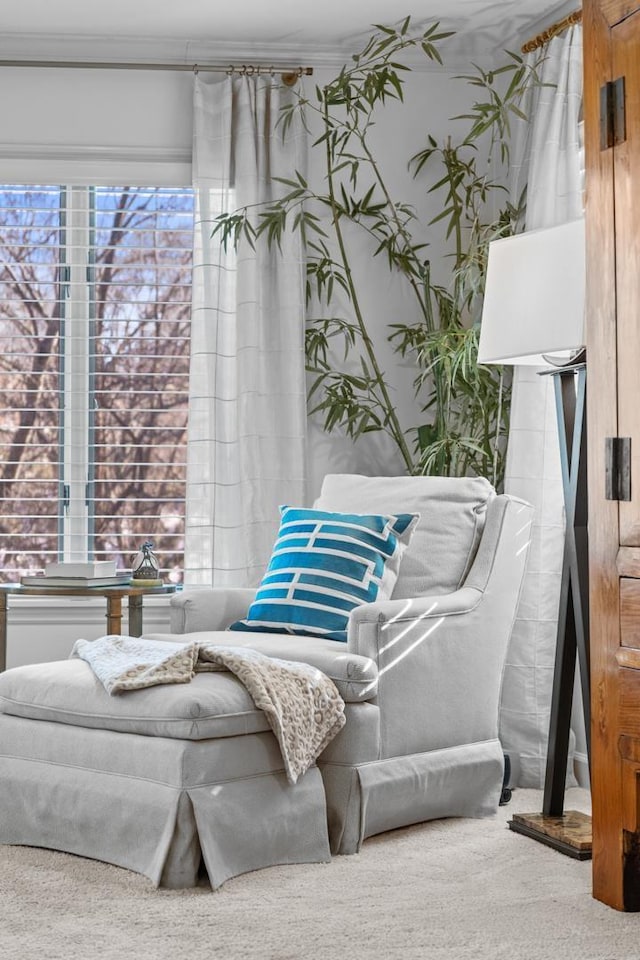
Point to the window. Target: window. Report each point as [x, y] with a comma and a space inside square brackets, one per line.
[95, 293]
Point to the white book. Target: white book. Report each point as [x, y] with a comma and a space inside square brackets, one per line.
[88, 568]
[121, 580]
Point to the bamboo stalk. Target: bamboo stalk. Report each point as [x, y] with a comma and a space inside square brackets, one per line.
[393, 424]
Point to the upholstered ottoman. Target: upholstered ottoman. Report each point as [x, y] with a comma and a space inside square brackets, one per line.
[155, 780]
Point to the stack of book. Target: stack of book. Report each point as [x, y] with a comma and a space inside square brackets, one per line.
[92, 573]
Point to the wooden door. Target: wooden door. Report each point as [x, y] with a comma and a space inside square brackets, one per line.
[612, 53]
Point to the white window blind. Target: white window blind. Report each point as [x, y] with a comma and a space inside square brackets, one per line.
[95, 292]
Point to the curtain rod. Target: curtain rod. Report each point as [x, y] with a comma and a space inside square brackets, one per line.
[542, 38]
[289, 74]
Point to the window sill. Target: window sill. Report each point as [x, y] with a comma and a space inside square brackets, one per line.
[61, 610]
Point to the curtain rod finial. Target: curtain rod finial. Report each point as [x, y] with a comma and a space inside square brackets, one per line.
[290, 78]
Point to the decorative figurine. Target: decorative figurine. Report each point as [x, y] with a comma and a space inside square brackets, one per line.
[145, 567]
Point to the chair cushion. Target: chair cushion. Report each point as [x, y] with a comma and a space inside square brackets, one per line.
[211, 705]
[67, 691]
[452, 515]
[323, 565]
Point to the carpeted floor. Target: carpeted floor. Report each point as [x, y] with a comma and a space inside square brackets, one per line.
[454, 889]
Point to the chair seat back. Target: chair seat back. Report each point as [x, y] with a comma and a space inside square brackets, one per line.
[452, 516]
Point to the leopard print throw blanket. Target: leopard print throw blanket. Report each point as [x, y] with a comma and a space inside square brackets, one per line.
[302, 705]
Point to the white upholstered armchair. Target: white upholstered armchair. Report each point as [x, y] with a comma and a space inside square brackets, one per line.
[420, 673]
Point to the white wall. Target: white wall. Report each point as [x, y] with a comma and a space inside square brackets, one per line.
[70, 122]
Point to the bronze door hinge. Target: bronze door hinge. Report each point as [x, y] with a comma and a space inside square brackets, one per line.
[613, 119]
[618, 468]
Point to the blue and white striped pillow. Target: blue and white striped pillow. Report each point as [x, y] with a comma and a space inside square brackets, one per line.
[322, 566]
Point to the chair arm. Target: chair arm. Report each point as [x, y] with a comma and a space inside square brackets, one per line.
[209, 609]
[440, 659]
[404, 611]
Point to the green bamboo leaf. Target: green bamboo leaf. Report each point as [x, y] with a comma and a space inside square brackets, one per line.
[518, 112]
[383, 45]
[249, 235]
[506, 68]
[384, 29]
[317, 383]
[329, 288]
[451, 212]
[435, 36]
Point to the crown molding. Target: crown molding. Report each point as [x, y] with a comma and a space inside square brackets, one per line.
[156, 49]
[456, 51]
[477, 42]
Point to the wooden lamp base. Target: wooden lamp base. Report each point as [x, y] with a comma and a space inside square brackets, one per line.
[570, 833]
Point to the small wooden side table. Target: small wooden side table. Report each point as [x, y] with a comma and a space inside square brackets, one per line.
[113, 596]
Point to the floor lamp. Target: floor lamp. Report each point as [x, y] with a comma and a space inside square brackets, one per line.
[533, 314]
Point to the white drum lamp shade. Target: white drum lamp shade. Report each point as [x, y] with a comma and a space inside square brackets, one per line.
[534, 296]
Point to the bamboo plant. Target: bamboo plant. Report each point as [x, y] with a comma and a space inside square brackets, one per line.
[465, 406]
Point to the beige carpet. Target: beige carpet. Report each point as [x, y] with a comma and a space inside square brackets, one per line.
[454, 889]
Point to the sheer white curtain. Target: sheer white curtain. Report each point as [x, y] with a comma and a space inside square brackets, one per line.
[247, 410]
[548, 159]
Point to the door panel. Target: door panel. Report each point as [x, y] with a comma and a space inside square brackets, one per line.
[630, 613]
[611, 49]
[615, 11]
[626, 63]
